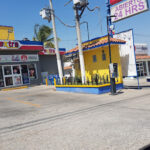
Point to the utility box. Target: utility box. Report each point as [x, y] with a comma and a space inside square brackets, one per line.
[80, 2]
[113, 68]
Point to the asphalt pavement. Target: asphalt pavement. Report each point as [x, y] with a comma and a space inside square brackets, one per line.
[40, 118]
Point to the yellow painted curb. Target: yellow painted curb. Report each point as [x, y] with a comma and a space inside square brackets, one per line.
[83, 86]
[15, 88]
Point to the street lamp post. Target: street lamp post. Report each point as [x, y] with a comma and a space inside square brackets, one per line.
[112, 79]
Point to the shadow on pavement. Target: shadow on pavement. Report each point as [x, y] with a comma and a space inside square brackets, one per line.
[136, 87]
[147, 147]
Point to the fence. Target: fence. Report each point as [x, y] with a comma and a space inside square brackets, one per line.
[95, 80]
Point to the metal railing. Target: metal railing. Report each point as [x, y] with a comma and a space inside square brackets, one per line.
[95, 80]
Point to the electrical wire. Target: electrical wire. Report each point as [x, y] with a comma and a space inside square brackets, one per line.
[101, 20]
[70, 26]
[93, 8]
[68, 2]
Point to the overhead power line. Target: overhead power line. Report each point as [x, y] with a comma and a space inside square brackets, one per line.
[93, 8]
[70, 26]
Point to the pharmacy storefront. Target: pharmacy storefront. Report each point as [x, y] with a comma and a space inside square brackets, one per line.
[19, 63]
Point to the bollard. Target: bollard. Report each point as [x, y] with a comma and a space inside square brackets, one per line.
[46, 81]
[54, 81]
[64, 79]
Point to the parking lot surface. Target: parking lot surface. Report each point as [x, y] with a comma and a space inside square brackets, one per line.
[40, 118]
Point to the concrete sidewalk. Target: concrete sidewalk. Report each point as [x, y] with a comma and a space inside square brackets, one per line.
[133, 82]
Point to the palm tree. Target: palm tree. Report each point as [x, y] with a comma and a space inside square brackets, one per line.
[43, 34]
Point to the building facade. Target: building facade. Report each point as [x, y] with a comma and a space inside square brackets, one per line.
[142, 59]
[7, 33]
[24, 62]
[19, 63]
[96, 59]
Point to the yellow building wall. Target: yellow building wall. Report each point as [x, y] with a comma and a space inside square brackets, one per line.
[5, 35]
[100, 67]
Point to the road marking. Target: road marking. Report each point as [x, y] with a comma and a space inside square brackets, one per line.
[15, 88]
[24, 102]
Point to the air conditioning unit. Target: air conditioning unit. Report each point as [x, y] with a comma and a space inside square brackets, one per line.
[80, 2]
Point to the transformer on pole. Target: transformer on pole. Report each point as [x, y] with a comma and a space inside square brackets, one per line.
[48, 14]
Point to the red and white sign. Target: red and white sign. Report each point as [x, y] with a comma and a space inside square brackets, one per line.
[9, 45]
[112, 2]
[51, 51]
[18, 58]
[128, 8]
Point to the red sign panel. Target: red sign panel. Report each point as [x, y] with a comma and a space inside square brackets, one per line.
[112, 2]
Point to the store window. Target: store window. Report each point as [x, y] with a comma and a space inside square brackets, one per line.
[16, 70]
[32, 71]
[17, 80]
[141, 69]
[1, 77]
[7, 70]
[8, 81]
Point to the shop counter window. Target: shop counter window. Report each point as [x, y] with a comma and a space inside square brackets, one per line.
[32, 71]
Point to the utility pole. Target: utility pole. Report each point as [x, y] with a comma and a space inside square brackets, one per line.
[112, 79]
[81, 57]
[56, 43]
[80, 5]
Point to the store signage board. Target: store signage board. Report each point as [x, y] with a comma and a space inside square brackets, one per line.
[112, 2]
[128, 8]
[18, 58]
[127, 53]
[9, 45]
[51, 51]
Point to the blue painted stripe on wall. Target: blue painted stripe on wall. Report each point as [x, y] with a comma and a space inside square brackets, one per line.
[31, 43]
[89, 90]
[62, 49]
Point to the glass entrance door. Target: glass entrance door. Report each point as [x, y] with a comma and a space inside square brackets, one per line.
[25, 74]
[1, 77]
[17, 79]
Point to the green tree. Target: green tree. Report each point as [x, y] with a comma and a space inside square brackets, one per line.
[43, 34]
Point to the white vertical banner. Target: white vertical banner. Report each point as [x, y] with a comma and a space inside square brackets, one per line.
[127, 53]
